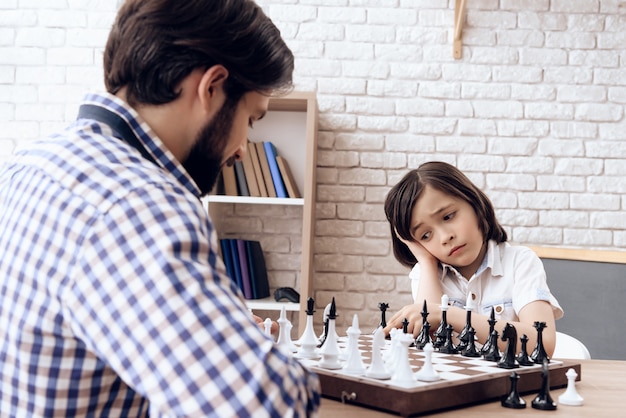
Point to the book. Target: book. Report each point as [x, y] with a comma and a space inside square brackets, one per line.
[248, 169]
[230, 180]
[245, 273]
[234, 251]
[242, 184]
[258, 270]
[265, 168]
[285, 172]
[228, 258]
[270, 151]
[257, 169]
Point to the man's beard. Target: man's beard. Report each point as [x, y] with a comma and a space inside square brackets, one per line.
[204, 162]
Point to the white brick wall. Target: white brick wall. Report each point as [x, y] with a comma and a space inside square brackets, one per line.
[533, 112]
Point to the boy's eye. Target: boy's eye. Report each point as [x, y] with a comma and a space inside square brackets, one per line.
[449, 216]
[424, 236]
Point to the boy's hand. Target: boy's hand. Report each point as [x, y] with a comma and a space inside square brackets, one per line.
[420, 253]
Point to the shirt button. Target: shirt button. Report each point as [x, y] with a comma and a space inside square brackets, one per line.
[473, 296]
[499, 309]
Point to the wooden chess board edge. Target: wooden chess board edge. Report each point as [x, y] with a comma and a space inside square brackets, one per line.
[453, 395]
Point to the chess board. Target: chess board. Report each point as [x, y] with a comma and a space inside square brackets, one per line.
[464, 381]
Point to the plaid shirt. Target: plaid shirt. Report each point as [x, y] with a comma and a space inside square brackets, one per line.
[113, 300]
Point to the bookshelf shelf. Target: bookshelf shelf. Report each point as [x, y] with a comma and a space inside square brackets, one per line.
[254, 200]
[291, 125]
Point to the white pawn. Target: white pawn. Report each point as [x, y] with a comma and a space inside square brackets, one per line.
[268, 326]
[570, 396]
[284, 332]
[402, 368]
[427, 373]
[377, 368]
[354, 365]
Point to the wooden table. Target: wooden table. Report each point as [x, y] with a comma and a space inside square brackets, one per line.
[603, 387]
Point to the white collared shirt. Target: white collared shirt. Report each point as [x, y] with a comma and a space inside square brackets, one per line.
[509, 278]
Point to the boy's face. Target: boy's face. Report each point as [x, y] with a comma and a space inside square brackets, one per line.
[448, 228]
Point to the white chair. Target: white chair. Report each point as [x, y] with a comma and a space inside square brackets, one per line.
[568, 347]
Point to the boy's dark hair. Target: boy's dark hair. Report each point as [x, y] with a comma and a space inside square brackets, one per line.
[447, 179]
[154, 44]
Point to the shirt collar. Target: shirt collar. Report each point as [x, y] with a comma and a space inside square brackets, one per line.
[146, 136]
[492, 260]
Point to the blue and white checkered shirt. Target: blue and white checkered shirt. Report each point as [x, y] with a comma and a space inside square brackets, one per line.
[113, 300]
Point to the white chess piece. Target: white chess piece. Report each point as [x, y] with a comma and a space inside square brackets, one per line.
[330, 350]
[354, 364]
[403, 373]
[284, 332]
[268, 326]
[308, 341]
[427, 373]
[377, 368]
[570, 396]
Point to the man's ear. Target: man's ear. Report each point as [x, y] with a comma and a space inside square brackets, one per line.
[211, 88]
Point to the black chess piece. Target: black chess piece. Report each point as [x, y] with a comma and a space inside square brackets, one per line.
[470, 350]
[513, 400]
[463, 337]
[523, 359]
[440, 333]
[539, 354]
[492, 323]
[405, 325]
[543, 400]
[508, 359]
[383, 316]
[494, 352]
[423, 337]
[448, 346]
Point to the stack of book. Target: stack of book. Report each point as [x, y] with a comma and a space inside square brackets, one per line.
[262, 173]
[245, 265]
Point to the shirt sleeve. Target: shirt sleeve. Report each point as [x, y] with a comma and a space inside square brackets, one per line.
[152, 300]
[530, 282]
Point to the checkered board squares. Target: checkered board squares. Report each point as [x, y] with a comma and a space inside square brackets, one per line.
[464, 381]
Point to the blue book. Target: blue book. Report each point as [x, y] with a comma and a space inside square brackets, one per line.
[258, 271]
[270, 151]
[236, 266]
[228, 258]
[245, 274]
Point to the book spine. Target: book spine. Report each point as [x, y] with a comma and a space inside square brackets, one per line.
[265, 167]
[251, 181]
[230, 180]
[257, 169]
[258, 270]
[234, 251]
[271, 153]
[290, 183]
[242, 185]
[245, 274]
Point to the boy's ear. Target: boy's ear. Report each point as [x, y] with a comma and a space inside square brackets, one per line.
[211, 88]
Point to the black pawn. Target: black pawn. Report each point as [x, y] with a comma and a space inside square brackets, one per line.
[492, 324]
[405, 325]
[539, 353]
[523, 359]
[470, 350]
[513, 400]
[383, 309]
[448, 346]
[543, 400]
[494, 353]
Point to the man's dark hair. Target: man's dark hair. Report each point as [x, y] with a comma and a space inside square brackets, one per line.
[154, 44]
[447, 179]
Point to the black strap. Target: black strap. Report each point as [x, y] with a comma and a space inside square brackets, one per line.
[119, 126]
